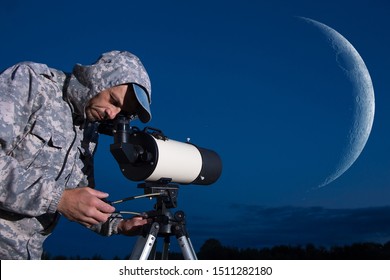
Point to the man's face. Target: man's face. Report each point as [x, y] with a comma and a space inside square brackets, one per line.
[108, 103]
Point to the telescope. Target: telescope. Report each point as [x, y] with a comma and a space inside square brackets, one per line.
[148, 155]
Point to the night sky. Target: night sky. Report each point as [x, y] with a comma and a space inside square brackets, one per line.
[252, 81]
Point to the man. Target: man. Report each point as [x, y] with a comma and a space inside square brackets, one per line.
[48, 136]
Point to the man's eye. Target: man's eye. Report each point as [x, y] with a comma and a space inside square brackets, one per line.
[115, 101]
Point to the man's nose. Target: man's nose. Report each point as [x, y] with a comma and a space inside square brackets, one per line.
[112, 112]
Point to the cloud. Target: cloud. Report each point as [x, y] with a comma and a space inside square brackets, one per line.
[259, 226]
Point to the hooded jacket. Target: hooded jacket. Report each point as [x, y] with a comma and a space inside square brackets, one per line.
[47, 145]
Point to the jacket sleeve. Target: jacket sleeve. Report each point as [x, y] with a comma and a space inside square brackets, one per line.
[24, 189]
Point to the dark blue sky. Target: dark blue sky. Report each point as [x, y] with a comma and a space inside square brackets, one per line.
[249, 80]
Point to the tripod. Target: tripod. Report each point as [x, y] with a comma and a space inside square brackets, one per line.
[165, 224]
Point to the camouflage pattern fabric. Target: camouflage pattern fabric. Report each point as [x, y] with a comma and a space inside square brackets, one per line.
[47, 145]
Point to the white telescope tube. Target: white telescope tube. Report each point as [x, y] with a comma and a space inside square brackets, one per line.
[182, 162]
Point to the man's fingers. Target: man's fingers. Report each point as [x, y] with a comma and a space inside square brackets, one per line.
[139, 221]
[98, 194]
[104, 207]
[85, 205]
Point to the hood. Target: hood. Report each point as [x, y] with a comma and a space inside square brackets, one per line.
[111, 69]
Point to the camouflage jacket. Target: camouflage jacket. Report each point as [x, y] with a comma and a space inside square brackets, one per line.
[47, 146]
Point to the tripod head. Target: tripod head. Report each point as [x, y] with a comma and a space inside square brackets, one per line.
[167, 198]
[168, 193]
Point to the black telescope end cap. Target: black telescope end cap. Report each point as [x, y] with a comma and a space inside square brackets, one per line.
[211, 167]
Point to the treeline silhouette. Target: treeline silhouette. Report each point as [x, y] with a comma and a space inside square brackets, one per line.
[212, 249]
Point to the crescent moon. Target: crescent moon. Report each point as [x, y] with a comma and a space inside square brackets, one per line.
[349, 60]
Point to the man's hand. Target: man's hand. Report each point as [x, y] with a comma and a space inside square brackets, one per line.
[85, 206]
[132, 226]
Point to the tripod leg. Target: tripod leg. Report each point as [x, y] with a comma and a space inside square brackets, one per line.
[186, 248]
[183, 238]
[185, 243]
[166, 245]
[153, 252]
[192, 248]
[145, 244]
